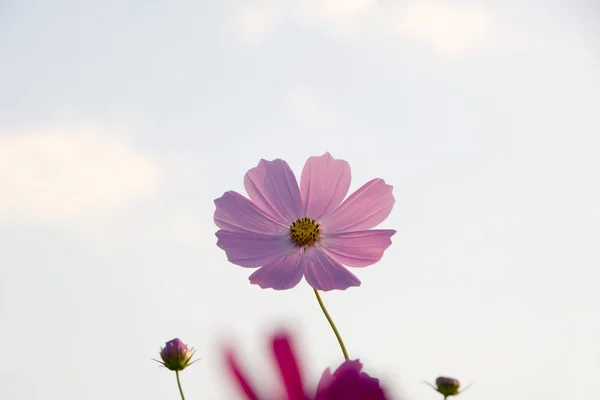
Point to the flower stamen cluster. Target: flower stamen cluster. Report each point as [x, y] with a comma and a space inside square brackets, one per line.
[305, 231]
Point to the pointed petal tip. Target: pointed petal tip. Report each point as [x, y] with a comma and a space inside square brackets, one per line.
[281, 335]
[342, 287]
[282, 274]
[385, 184]
[267, 285]
[364, 209]
[226, 193]
[260, 283]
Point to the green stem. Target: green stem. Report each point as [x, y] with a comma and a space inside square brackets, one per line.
[179, 385]
[337, 334]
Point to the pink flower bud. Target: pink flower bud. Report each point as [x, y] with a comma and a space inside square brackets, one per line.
[176, 355]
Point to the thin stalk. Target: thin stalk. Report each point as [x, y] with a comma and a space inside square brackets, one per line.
[179, 385]
[335, 331]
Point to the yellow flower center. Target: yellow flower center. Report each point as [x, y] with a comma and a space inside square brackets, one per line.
[305, 231]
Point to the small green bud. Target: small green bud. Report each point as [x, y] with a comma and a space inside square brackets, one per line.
[447, 386]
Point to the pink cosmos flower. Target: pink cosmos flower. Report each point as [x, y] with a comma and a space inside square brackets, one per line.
[310, 230]
[346, 383]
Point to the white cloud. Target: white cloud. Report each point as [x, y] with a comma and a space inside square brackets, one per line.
[256, 21]
[192, 231]
[309, 105]
[449, 31]
[70, 173]
[452, 32]
[338, 16]
[302, 102]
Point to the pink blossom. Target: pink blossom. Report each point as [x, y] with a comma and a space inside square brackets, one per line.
[291, 231]
[348, 382]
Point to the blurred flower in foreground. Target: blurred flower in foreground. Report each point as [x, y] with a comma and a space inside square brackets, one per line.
[346, 383]
[291, 231]
[447, 386]
[176, 355]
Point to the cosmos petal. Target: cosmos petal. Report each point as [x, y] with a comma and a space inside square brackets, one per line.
[357, 249]
[236, 213]
[252, 250]
[239, 376]
[324, 184]
[324, 384]
[349, 382]
[363, 209]
[323, 273]
[272, 186]
[336, 384]
[288, 366]
[282, 274]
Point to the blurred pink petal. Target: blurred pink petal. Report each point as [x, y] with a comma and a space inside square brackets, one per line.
[324, 184]
[288, 366]
[325, 382]
[282, 274]
[241, 379]
[236, 213]
[272, 186]
[357, 249]
[364, 209]
[348, 382]
[323, 273]
[253, 249]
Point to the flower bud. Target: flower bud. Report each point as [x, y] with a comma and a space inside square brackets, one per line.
[447, 386]
[176, 355]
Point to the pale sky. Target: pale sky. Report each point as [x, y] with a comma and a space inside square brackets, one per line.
[122, 120]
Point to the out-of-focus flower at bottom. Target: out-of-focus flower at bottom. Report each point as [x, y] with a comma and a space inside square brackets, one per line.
[348, 382]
